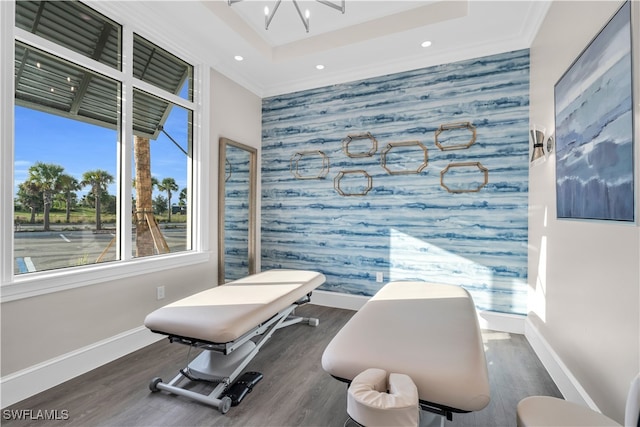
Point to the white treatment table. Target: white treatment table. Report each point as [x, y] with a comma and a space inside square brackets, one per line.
[223, 320]
[427, 331]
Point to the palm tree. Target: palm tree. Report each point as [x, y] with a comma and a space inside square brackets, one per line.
[148, 234]
[182, 200]
[154, 183]
[46, 177]
[169, 185]
[98, 180]
[29, 196]
[68, 185]
[144, 193]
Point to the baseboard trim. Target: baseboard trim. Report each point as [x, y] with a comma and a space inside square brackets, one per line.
[488, 319]
[568, 384]
[502, 322]
[338, 300]
[37, 378]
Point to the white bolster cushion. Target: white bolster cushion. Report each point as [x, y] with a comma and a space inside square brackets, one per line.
[369, 404]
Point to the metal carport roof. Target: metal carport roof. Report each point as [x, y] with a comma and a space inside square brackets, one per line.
[47, 83]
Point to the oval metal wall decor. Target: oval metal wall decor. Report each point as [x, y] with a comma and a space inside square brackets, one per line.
[227, 170]
[454, 127]
[350, 138]
[477, 165]
[294, 164]
[385, 163]
[342, 174]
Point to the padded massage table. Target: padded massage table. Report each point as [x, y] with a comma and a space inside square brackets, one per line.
[427, 331]
[223, 320]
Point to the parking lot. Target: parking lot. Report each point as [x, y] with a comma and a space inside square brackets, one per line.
[60, 248]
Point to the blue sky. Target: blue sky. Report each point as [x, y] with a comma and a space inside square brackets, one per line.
[80, 147]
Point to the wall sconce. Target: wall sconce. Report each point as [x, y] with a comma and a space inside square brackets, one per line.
[551, 142]
[537, 138]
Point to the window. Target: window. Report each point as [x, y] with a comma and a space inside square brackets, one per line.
[103, 149]
[74, 26]
[65, 163]
[160, 162]
[162, 69]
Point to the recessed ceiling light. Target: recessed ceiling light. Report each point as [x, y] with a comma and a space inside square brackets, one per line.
[426, 43]
[238, 58]
[320, 67]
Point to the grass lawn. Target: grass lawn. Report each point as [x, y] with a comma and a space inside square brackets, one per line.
[84, 215]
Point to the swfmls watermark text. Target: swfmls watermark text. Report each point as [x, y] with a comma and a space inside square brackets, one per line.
[35, 414]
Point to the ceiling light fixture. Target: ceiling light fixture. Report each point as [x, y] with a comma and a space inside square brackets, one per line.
[320, 67]
[426, 43]
[238, 58]
[268, 15]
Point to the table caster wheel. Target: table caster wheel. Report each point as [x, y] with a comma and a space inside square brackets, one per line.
[153, 385]
[225, 405]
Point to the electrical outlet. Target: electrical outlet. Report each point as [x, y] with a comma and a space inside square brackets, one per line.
[160, 292]
[379, 277]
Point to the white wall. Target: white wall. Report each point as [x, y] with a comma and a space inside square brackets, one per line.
[583, 275]
[236, 114]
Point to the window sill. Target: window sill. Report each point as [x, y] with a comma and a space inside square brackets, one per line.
[36, 284]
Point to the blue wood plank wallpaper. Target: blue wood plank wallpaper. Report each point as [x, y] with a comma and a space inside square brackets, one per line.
[406, 224]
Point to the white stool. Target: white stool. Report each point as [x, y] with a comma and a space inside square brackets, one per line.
[539, 411]
[369, 403]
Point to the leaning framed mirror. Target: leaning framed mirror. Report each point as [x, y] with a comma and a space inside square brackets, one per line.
[236, 210]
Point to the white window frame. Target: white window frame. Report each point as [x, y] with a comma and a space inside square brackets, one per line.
[12, 286]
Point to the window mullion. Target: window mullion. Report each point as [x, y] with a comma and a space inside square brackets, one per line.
[7, 10]
[153, 90]
[197, 197]
[66, 54]
[125, 161]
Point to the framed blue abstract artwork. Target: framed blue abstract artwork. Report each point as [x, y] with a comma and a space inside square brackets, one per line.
[594, 128]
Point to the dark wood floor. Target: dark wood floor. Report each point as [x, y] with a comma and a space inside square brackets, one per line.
[295, 390]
